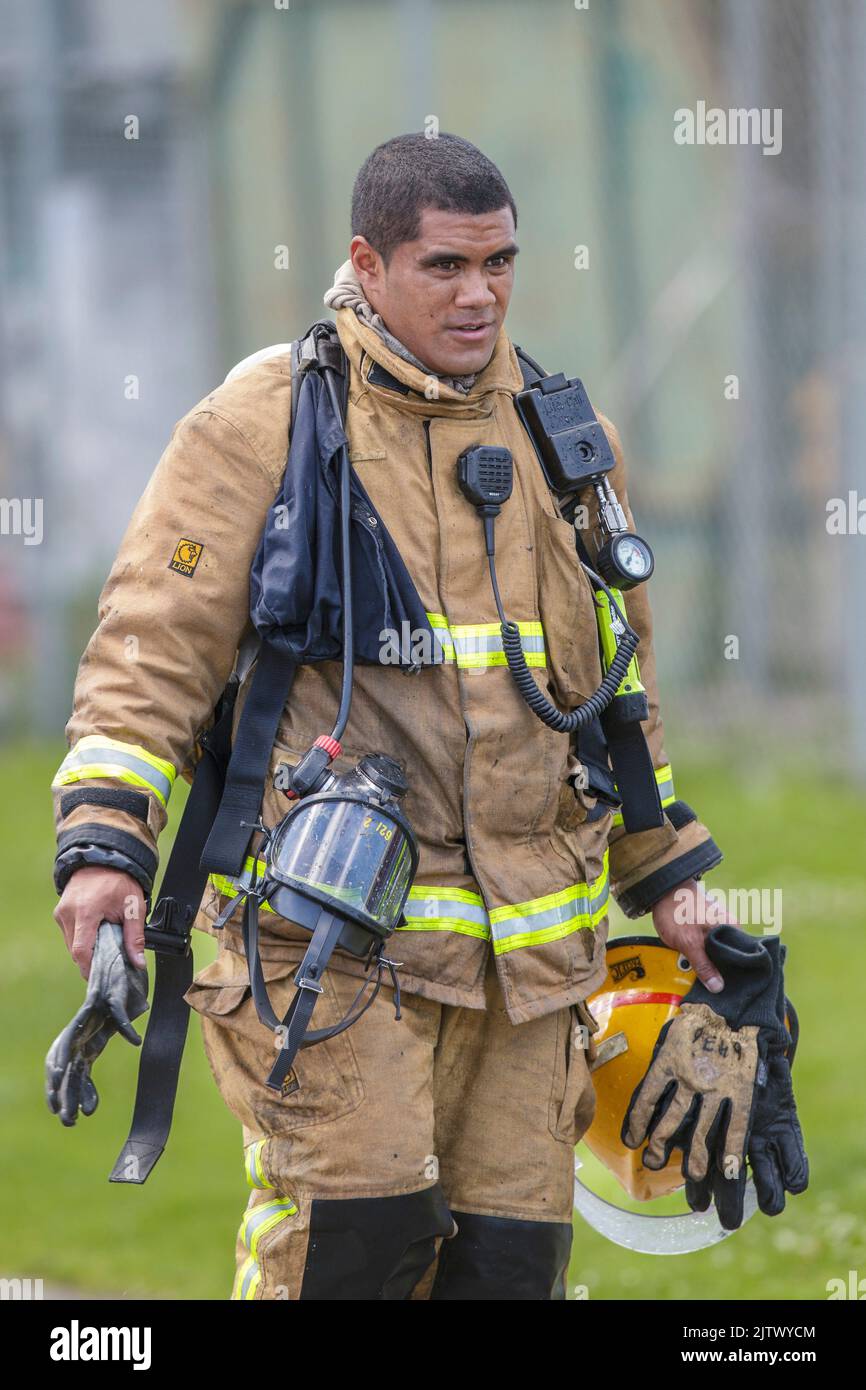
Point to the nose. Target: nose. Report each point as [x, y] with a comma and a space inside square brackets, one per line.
[474, 291]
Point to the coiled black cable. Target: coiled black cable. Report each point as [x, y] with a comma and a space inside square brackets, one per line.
[525, 682]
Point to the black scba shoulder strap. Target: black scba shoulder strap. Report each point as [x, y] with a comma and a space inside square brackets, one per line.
[225, 849]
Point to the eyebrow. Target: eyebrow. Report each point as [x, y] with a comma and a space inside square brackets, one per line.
[435, 256]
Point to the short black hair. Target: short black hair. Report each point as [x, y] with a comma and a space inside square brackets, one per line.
[412, 172]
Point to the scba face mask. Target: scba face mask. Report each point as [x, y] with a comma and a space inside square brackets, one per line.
[340, 865]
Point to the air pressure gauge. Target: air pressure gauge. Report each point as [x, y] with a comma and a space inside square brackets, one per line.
[625, 560]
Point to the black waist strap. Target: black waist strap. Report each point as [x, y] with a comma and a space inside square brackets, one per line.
[168, 933]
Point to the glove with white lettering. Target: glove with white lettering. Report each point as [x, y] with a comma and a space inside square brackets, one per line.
[116, 994]
[708, 1071]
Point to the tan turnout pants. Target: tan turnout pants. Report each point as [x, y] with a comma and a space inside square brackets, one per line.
[451, 1096]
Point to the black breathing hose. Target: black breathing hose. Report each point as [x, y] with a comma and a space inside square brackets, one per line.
[525, 682]
[346, 566]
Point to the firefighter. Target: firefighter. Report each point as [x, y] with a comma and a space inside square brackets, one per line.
[430, 1157]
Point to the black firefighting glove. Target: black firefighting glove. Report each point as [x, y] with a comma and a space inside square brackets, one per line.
[776, 1152]
[714, 1073]
[116, 994]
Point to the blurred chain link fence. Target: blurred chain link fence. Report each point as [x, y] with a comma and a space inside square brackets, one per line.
[710, 295]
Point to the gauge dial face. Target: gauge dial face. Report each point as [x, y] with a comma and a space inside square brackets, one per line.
[631, 557]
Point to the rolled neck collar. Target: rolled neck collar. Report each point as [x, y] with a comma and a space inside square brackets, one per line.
[502, 372]
[346, 297]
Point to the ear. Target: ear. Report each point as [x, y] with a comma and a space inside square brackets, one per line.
[366, 263]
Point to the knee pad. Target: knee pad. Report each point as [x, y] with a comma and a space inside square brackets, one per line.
[373, 1247]
[492, 1257]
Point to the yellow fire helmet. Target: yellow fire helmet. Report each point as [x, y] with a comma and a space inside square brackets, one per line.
[645, 984]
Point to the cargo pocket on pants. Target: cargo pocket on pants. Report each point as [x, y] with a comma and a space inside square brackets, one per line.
[325, 1082]
[572, 1103]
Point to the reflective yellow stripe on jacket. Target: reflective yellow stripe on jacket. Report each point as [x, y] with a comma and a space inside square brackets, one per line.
[521, 924]
[433, 909]
[665, 779]
[97, 756]
[257, 1222]
[230, 886]
[446, 909]
[247, 1280]
[476, 645]
[551, 917]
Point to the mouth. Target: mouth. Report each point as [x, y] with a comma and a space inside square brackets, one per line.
[471, 332]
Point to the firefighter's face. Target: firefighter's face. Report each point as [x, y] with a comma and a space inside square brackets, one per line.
[444, 295]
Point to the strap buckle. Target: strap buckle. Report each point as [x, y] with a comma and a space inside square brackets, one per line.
[304, 982]
[308, 354]
[321, 348]
[170, 927]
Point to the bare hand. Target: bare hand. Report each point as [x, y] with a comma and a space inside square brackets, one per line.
[92, 895]
[683, 918]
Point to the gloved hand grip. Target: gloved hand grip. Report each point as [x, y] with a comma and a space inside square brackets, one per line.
[749, 969]
[116, 994]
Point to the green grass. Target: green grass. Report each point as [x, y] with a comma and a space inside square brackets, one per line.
[60, 1219]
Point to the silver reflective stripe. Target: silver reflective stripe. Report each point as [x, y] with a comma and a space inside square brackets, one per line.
[441, 909]
[574, 915]
[468, 644]
[523, 924]
[260, 1220]
[439, 624]
[666, 789]
[552, 917]
[247, 1280]
[99, 759]
[255, 1171]
[480, 644]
